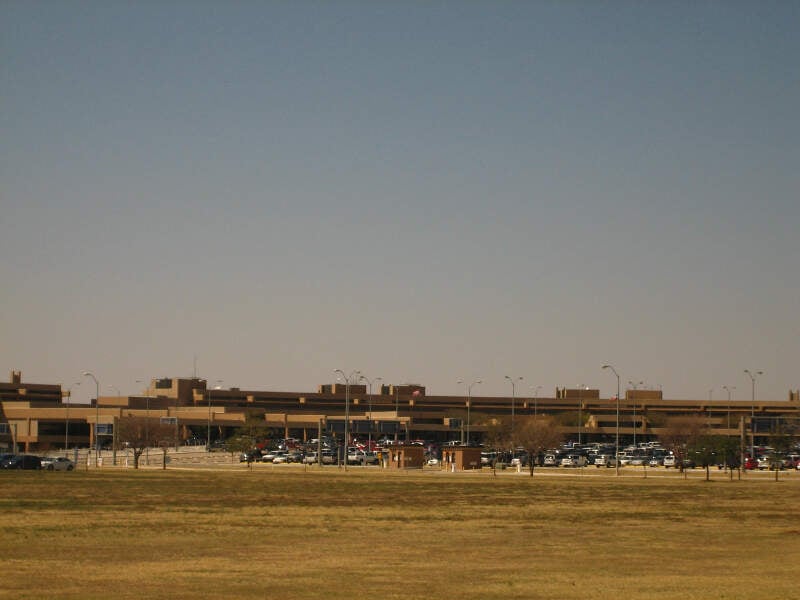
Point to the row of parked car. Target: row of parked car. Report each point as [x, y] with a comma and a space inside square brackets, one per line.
[328, 456]
[30, 462]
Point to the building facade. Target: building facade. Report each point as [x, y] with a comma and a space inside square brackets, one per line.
[39, 417]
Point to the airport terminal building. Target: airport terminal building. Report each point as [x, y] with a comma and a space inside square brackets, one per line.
[36, 417]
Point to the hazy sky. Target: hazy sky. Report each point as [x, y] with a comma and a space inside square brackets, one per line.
[425, 191]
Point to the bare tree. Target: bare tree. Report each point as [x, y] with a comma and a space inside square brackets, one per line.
[537, 434]
[681, 434]
[139, 433]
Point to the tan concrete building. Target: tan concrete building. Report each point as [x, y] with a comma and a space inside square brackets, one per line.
[35, 416]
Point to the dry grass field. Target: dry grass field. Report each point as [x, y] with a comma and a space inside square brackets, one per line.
[291, 533]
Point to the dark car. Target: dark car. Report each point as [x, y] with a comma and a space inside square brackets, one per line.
[24, 461]
[251, 456]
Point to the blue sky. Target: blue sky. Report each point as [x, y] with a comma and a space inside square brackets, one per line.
[425, 191]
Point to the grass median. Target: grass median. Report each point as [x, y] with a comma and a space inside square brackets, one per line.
[314, 534]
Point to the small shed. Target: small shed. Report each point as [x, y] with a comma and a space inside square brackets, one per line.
[406, 457]
[461, 458]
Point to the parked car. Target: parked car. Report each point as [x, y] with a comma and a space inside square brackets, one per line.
[361, 457]
[58, 463]
[24, 461]
[550, 460]
[279, 457]
[750, 463]
[573, 460]
[294, 456]
[670, 461]
[251, 456]
[488, 458]
[268, 455]
[605, 460]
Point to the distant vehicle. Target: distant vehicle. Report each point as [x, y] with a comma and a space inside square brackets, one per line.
[294, 456]
[269, 455]
[24, 461]
[488, 458]
[356, 456]
[605, 460]
[279, 457]
[251, 456]
[670, 461]
[573, 460]
[550, 460]
[59, 463]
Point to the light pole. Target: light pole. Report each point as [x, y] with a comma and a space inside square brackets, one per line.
[469, 403]
[513, 381]
[616, 443]
[581, 387]
[728, 389]
[753, 411]
[633, 385]
[370, 382]
[208, 435]
[66, 420]
[146, 426]
[96, 418]
[347, 379]
[535, 398]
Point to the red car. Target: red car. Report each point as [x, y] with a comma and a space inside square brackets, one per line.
[750, 464]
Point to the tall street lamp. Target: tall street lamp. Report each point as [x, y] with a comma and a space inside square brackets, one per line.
[469, 403]
[370, 382]
[96, 418]
[616, 443]
[208, 435]
[633, 385]
[728, 389]
[581, 387]
[146, 426]
[347, 379]
[513, 381]
[535, 398]
[753, 411]
[66, 420]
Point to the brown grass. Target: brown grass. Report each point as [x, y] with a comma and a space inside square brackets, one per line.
[306, 534]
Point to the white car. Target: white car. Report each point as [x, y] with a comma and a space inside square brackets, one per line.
[58, 464]
[669, 461]
[280, 457]
[605, 460]
[573, 460]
